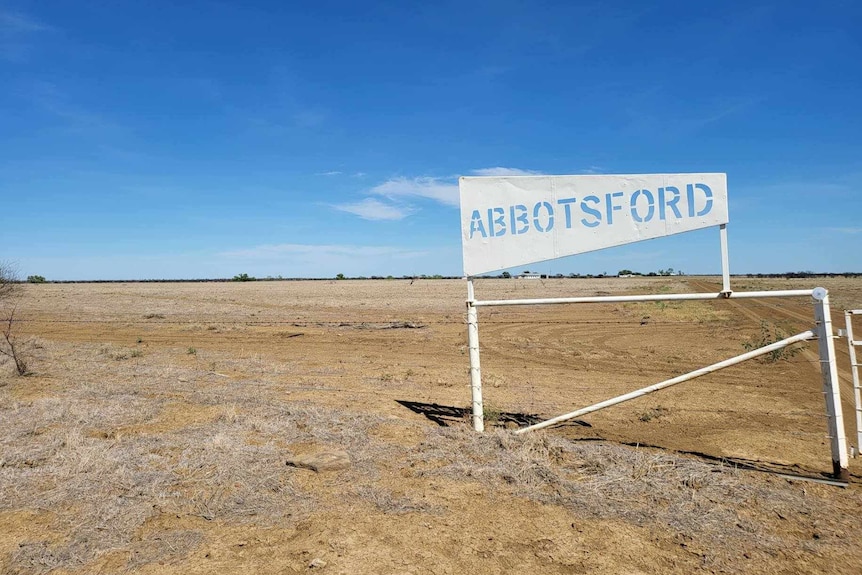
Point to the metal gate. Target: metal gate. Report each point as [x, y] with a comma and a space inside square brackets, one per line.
[822, 332]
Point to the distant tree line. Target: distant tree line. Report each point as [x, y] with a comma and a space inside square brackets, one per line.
[665, 272]
[808, 274]
[244, 277]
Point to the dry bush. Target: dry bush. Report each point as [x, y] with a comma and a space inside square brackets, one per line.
[12, 347]
[8, 281]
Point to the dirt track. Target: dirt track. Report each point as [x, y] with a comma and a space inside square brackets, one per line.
[204, 360]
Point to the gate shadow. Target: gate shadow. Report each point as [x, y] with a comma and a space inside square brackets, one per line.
[446, 415]
[785, 470]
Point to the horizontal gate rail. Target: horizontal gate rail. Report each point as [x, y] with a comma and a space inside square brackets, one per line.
[651, 297]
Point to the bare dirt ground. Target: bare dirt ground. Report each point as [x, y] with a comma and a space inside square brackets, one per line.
[154, 433]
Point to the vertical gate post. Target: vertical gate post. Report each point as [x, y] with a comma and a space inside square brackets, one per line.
[725, 262]
[831, 389]
[475, 370]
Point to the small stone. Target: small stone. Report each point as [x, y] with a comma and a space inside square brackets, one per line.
[183, 380]
[321, 461]
[317, 563]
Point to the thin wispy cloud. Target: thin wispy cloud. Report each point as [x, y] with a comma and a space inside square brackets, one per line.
[442, 190]
[720, 112]
[330, 173]
[68, 115]
[500, 171]
[310, 118]
[435, 189]
[851, 231]
[18, 22]
[650, 113]
[591, 170]
[804, 189]
[397, 194]
[374, 209]
[17, 32]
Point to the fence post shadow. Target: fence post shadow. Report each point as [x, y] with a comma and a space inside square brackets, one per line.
[448, 415]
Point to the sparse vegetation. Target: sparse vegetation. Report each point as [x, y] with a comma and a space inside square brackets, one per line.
[491, 414]
[12, 346]
[769, 334]
[652, 413]
[389, 503]
[8, 281]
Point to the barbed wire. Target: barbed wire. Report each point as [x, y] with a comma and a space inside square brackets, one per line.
[350, 323]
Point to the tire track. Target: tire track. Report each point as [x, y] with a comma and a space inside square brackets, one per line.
[845, 380]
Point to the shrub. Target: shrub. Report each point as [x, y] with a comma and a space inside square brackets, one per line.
[11, 346]
[770, 334]
[8, 281]
[36, 279]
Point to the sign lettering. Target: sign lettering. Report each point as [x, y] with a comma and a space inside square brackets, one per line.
[519, 220]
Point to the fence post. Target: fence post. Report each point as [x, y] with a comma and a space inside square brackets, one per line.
[831, 389]
[475, 370]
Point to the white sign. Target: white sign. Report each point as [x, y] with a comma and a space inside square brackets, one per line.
[517, 220]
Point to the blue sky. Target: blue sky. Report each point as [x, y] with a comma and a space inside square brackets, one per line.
[204, 139]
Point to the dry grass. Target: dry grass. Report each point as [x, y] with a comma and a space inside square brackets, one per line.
[104, 486]
[106, 458]
[714, 507]
[103, 459]
[390, 503]
[109, 439]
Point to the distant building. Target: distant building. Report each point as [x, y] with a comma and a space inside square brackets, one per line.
[529, 276]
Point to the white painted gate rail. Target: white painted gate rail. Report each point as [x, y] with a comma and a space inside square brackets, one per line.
[822, 332]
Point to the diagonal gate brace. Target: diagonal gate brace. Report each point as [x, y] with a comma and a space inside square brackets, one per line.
[804, 336]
